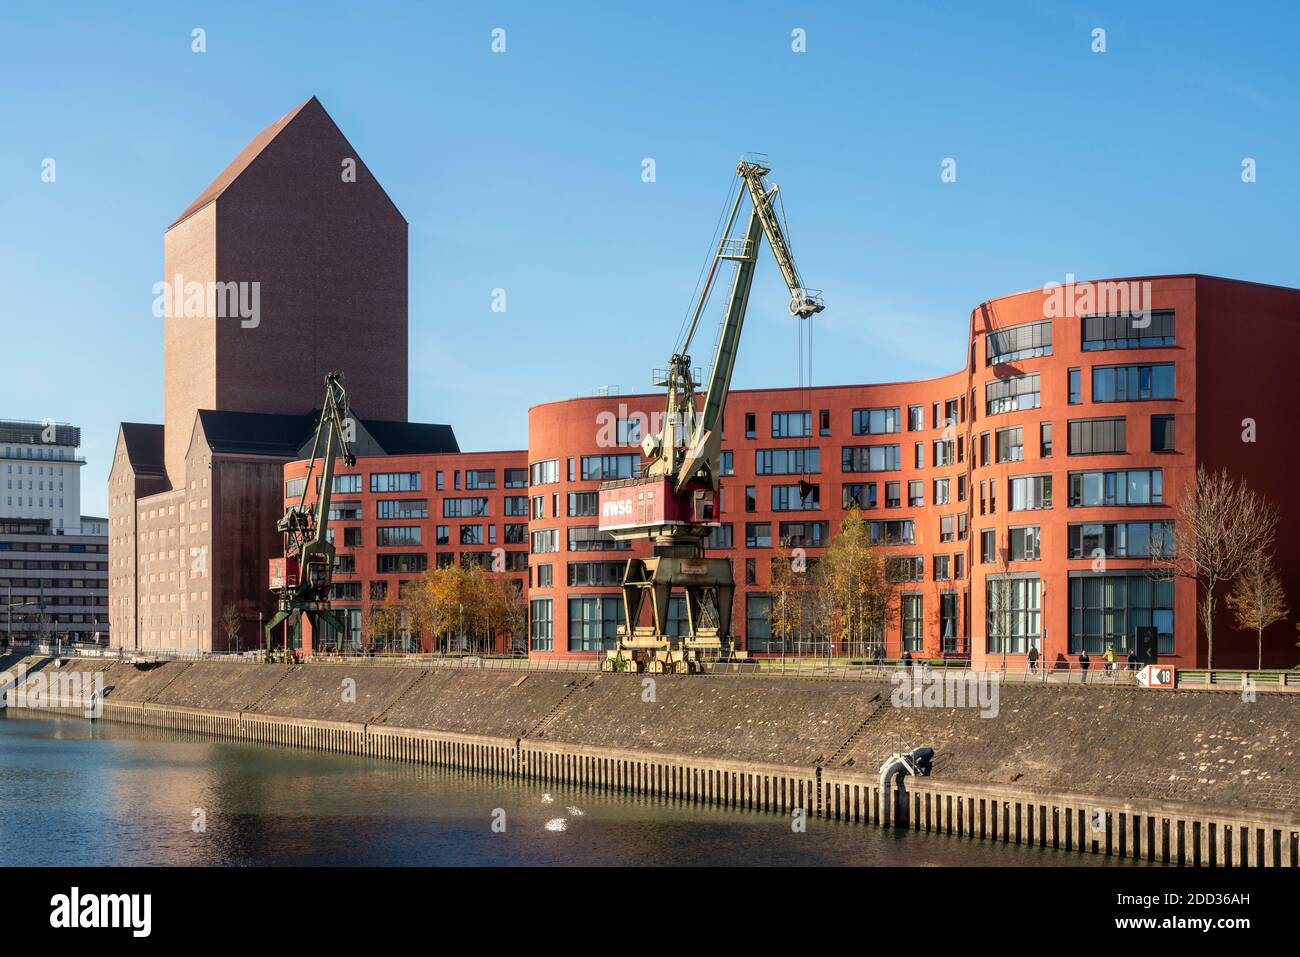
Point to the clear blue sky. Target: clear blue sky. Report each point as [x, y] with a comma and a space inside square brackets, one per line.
[523, 171]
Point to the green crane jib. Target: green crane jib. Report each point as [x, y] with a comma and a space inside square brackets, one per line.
[672, 501]
[302, 579]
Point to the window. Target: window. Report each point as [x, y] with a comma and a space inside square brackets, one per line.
[471, 534]
[789, 425]
[1128, 331]
[1162, 433]
[1132, 383]
[1014, 620]
[791, 498]
[595, 574]
[905, 568]
[946, 526]
[1023, 543]
[599, 468]
[959, 566]
[727, 462]
[942, 568]
[464, 507]
[1044, 440]
[912, 621]
[824, 422]
[545, 576]
[402, 508]
[398, 535]
[1025, 341]
[899, 532]
[391, 562]
[589, 538]
[1121, 539]
[943, 453]
[1096, 436]
[545, 540]
[1012, 394]
[1029, 492]
[438, 481]
[583, 503]
[989, 546]
[1076, 391]
[351, 537]
[751, 571]
[443, 535]
[516, 505]
[893, 495]
[480, 478]
[545, 473]
[593, 622]
[539, 506]
[751, 498]
[1108, 609]
[871, 458]
[394, 481]
[720, 536]
[516, 478]
[749, 425]
[1121, 487]
[628, 431]
[346, 512]
[758, 534]
[915, 418]
[758, 623]
[915, 493]
[984, 449]
[941, 491]
[875, 421]
[804, 534]
[293, 488]
[786, 461]
[861, 496]
[516, 533]
[1011, 444]
[540, 634]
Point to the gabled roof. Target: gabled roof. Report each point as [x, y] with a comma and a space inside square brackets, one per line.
[290, 436]
[255, 433]
[258, 146]
[144, 447]
[412, 438]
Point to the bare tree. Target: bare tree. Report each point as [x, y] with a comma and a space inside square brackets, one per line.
[232, 618]
[1219, 526]
[1258, 599]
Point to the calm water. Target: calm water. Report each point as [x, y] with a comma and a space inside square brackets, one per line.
[75, 793]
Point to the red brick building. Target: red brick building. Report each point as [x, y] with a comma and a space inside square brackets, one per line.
[290, 264]
[1040, 472]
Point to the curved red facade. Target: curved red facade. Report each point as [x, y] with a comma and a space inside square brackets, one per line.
[1021, 489]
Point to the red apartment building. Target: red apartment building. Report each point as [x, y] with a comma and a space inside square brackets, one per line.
[1040, 471]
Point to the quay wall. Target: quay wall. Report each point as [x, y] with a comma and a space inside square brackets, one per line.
[1195, 777]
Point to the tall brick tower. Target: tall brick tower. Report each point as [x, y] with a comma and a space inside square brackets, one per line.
[300, 214]
[193, 502]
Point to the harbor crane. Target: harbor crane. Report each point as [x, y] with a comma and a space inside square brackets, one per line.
[673, 502]
[302, 579]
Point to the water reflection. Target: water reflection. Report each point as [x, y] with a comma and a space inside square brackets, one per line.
[75, 793]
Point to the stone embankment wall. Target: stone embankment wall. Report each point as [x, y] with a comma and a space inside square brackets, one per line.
[1192, 776]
